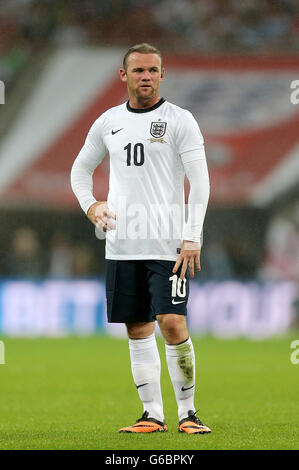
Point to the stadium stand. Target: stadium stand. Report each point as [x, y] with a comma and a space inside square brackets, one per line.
[236, 60]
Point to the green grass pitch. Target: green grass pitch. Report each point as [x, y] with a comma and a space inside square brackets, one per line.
[74, 393]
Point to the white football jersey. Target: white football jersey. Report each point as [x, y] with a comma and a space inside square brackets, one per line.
[147, 149]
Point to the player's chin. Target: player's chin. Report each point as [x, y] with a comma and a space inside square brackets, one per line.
[146, 91]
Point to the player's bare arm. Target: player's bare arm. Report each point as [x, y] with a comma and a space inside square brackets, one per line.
[189, 257]
[100, 215]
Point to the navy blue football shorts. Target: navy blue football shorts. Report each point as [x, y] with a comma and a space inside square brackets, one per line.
[137, 291]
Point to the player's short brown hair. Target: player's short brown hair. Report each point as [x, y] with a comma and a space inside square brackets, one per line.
[143, 48]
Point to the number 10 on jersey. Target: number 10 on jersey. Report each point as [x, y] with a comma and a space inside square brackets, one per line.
[138, 154]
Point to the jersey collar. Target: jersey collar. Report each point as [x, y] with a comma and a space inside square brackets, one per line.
[145, 110]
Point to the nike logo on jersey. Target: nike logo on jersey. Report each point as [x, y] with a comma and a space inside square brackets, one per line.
[142, 385]
[115, 132]
[180, 302]
[187, 388]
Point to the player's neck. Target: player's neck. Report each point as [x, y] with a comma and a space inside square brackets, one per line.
[143, 103]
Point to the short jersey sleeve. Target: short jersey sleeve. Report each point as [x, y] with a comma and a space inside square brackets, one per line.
[189, 139]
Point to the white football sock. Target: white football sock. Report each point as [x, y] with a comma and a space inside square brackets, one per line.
[181, 366]
[146, 370]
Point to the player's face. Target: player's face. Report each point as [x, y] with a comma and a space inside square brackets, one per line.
[143, 76]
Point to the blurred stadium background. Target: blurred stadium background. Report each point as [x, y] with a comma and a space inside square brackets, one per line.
[232, 64]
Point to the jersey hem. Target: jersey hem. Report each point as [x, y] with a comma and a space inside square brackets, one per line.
[141, 257]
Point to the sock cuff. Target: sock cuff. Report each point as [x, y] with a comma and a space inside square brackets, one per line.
[184, 348]
[142, 342]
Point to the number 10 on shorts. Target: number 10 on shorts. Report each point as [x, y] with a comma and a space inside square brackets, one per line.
[178, 286]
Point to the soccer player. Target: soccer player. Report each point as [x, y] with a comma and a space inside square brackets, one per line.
[151, 250]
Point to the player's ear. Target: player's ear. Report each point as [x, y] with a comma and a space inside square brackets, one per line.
[162, 73]
[123, 75]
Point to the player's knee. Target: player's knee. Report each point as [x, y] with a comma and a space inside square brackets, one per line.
[173, 327]
[140, 330]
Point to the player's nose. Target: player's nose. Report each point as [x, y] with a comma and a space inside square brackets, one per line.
[146, 76]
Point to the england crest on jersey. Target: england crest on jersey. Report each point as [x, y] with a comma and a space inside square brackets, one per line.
[158, 129]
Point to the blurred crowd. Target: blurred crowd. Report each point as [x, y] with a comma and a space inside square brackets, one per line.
[28, 256]
[281, 255]
[232, 25]
[180, 25]
[203, 26]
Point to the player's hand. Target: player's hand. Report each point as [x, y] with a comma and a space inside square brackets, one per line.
[100, 215]
[189, 256]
